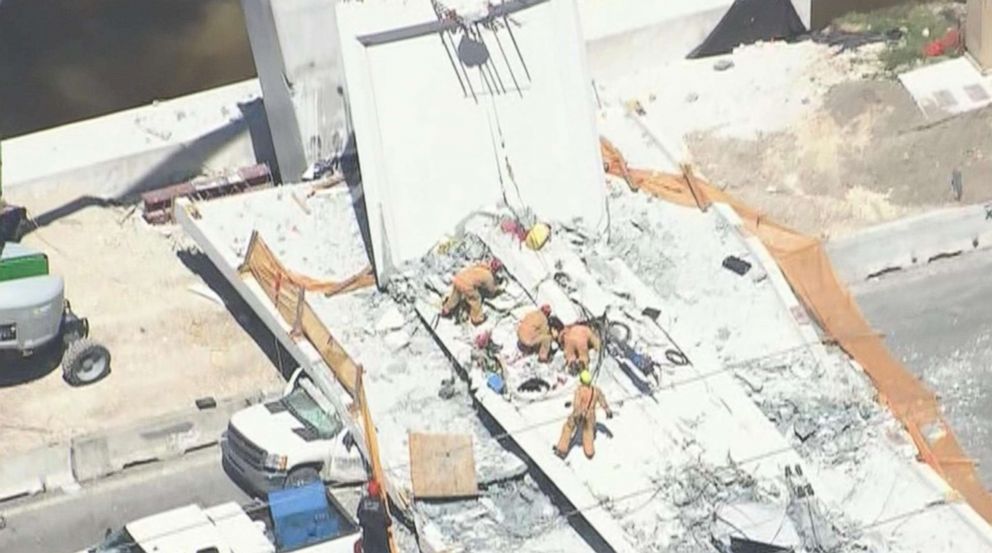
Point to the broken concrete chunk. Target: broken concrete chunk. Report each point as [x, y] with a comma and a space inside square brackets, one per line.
[397, 340]
[392, 319]
[768, 524]
[447, 390]
[804, 427]
[723, 65]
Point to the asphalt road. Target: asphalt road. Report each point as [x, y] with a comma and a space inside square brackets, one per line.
[938, 320]
[66, 523]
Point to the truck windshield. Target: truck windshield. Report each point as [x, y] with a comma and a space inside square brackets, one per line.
[118, 541]
[304, 408]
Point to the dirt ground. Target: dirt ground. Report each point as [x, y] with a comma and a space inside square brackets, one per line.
[862, 152]
[867, 156]
[169, 344]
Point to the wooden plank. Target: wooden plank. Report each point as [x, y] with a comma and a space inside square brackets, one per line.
[288, 296]
[330, 349]
[442, 465]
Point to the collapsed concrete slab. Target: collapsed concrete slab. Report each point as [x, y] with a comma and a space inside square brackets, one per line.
[760, 398]
[789, 380]
[406, 372]
[451, 116]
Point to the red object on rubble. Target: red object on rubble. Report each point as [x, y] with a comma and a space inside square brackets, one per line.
[512, 226]
[482, 339]
[950, 42]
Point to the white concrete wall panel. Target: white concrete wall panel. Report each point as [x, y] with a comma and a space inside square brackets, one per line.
[295, 48]
[433, 135]
[625, 36]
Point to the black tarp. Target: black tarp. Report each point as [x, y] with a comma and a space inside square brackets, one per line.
[748, 21]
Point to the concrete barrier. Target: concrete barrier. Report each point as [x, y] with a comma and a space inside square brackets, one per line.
[170, 436]
[139, 149]
[44, 469]
[625, 36]
[912, 241]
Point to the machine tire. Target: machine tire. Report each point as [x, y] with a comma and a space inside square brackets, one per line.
[301, 476]
[85, 362]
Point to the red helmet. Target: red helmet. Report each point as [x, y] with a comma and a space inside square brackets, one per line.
[373, 488]
[495, 264]
[546, 309]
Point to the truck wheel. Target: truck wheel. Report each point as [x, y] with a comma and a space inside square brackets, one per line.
[85, 362]
[301, 476]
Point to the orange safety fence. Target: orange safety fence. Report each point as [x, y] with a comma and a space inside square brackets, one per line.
[287, 290]
[809, 272]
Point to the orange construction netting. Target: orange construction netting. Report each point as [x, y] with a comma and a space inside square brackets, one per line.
[806, 266]
[288, 289]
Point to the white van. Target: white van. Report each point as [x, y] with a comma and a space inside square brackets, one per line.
[296, 439]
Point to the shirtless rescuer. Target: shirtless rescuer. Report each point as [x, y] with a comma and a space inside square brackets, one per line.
[468, 288]
[587, 398]
[576, 340]
[537, 331]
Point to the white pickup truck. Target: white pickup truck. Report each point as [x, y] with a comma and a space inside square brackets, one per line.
[303, 520]
[296, 439]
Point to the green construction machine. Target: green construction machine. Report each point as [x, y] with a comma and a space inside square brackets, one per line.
[34, 314]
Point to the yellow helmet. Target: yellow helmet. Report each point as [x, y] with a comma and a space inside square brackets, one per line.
[538, 236]
[585, 377]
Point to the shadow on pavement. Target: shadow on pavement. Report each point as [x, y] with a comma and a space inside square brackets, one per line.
[200, 264]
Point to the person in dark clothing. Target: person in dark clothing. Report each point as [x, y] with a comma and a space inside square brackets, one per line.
[374, 521]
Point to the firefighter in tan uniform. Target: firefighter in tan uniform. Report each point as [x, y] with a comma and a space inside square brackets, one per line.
[537, 331]
[587, 398]
[576, 340]
[468, 288]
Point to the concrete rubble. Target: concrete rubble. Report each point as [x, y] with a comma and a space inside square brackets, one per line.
[407, 374]
[745, 426]
[716, 435]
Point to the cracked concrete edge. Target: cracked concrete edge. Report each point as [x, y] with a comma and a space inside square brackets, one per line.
[807, 329]
[912, 241]
[84, 458]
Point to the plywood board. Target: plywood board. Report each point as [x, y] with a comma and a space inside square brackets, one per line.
[442, 465]
[449, 121]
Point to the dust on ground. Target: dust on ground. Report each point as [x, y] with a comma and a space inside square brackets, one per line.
[817, 134]
[866, 156]
[169, 345]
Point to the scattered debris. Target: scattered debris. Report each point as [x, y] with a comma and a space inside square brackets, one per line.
[736, 264]
[300, 202]
[391, 320]
[206, 403]
[206, 292]
[447, 390]
[158, 204]
[723, 64]
[634, 106]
